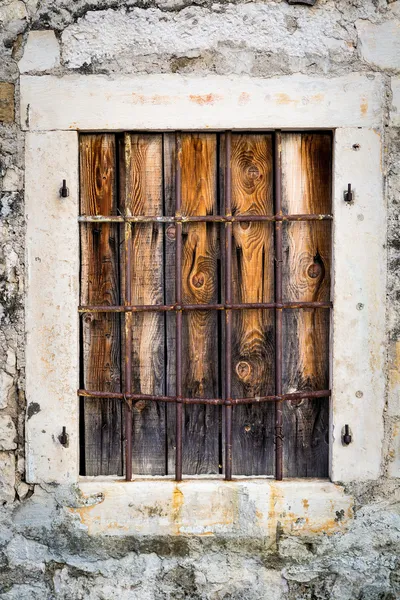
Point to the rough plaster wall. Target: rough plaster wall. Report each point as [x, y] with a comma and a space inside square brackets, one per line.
[44, 552]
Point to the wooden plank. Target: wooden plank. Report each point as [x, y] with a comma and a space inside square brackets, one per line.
[101, 355]
[169, 294]
[200, 285]
[306, 188]
[252, 272]
[142, 195]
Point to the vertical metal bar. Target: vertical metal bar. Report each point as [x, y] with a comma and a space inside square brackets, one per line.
[128, 352]
[178, 300]
[228, 312]
[278, 311]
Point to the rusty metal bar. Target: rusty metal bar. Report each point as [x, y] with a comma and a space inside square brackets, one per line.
[178, 314]
[202, 219]
[214, 401]
[278, 311]
[128, 353]
[228, 312]
[183, 307]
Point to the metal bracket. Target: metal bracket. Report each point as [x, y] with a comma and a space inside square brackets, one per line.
[348, 194]
[64, 191]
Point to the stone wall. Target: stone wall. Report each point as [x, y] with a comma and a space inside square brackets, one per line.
[45, 548]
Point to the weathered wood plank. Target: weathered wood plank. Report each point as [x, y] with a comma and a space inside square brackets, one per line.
[169, 293]
[200, 285]
[142, 195]
[100, 285]
[306, 188]
[252, 272]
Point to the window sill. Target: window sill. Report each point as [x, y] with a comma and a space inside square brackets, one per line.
[256, 507]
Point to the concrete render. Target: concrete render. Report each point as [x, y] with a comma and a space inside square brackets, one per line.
[302, 541]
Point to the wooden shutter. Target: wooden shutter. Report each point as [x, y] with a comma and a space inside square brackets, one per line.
[135, 174]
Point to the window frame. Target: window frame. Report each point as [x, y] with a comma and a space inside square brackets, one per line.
[52, 122]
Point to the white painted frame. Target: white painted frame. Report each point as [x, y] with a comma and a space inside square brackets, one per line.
[54, 109]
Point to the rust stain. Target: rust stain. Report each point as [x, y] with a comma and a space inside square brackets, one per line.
[157, 99]
[317, 98]
[177, 504]
[364, 107]
[305, 503]
[87, 519]
[205, 99]
[285, 99]
[244, 98]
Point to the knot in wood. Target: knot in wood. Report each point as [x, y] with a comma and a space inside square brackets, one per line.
[243, 369]
[314, 270]
[171, 232]
[139, 406]
[88, 318]
[253, 172]
[198, 280]
[244, 224]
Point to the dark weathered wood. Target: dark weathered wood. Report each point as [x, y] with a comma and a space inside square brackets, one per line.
[306, 188]
[101, 351]
[253, 341]
[169, 294]
[200, 285]
[141, 194]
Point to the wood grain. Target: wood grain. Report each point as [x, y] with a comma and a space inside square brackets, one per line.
[147, 187]
[101, 349]
[253, 345]
[200, 285]
[142, 195]
[306, 188]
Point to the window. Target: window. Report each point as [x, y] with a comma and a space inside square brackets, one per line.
[358, 334]
[205, 297]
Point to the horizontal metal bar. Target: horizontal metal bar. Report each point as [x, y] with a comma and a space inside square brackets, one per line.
[200, 219]
[183, 307]
[221, 401]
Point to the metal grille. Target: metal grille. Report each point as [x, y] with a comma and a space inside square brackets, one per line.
[227, 307]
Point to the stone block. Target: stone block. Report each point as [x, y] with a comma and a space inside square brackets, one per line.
[7, 433]
[95, 102]
[6, 386]
[395, 112]
[42, 52]
[7, 477]
[380, 43]
[394, 379]
[12, 181]
[22, 490]
[394, 451]
[6, 102]
[12, 11]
